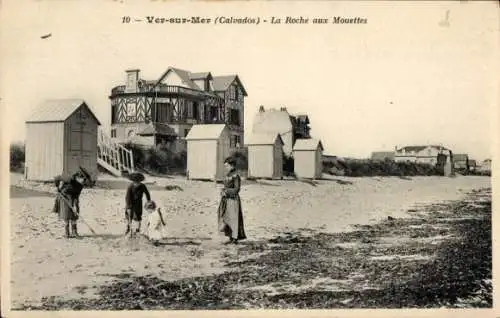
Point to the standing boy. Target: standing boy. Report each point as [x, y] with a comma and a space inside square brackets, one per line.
[133, 201]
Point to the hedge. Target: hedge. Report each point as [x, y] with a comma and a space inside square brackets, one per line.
[372, 168]
[17, 157]
[156, 160]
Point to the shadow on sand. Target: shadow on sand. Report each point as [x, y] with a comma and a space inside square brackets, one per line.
[263, 182]
[190, 238]
[102, 236]
[19, 192]
[405, 178]
[339, 181]
[176, 243]
[123, 184]
[309, 182]
[320, 181]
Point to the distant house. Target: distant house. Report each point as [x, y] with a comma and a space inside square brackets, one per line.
[382, 155]
[422, 154]
[301, 129]
[472, 165]
[461, 161]
[486, 165]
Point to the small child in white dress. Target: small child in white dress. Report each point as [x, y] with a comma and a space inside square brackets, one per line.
[156, 225]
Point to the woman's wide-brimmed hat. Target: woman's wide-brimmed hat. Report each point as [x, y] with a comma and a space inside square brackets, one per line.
[85, 174]
[136, 177]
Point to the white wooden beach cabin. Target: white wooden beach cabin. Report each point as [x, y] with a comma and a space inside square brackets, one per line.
[307, 154]
[265, 156]
[61, 136]
[207, 148]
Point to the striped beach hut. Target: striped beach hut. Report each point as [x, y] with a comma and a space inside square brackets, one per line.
[61, 136]
[308, 155]
[265, 156]
[207, 148]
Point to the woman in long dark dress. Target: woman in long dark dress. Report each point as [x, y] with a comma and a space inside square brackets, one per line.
[230, 214]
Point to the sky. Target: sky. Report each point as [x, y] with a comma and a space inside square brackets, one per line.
[402, 78]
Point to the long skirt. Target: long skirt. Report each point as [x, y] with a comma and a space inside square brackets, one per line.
[230, 218]
[65, 211]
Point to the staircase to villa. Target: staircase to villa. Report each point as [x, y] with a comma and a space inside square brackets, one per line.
[113, 157]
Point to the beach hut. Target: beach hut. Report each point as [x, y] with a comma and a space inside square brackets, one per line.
[207, 148]
[265, 156]
[307, 155]
[61, 136]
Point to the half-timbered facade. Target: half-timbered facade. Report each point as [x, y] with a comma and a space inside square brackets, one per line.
[175, 102]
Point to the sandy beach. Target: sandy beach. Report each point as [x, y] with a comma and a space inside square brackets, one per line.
[45, 264]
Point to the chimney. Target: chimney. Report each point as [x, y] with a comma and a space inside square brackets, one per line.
[131, 84]
[261, 109]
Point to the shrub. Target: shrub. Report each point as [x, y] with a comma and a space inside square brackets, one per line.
[162, 161]
[371, 168]
[17, 157]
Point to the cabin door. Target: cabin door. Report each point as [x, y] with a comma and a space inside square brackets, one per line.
[82, 143]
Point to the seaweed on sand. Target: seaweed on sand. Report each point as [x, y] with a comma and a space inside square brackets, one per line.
[458, 273]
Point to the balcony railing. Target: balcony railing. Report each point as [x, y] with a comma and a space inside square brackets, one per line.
[167, 89]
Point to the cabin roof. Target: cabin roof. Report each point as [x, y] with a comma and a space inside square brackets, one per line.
[205, 132]
[183, 74]
[157, 129]
[307, 144]
[263, 138]
[58, 110]
[460, 157]
[221, 83]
